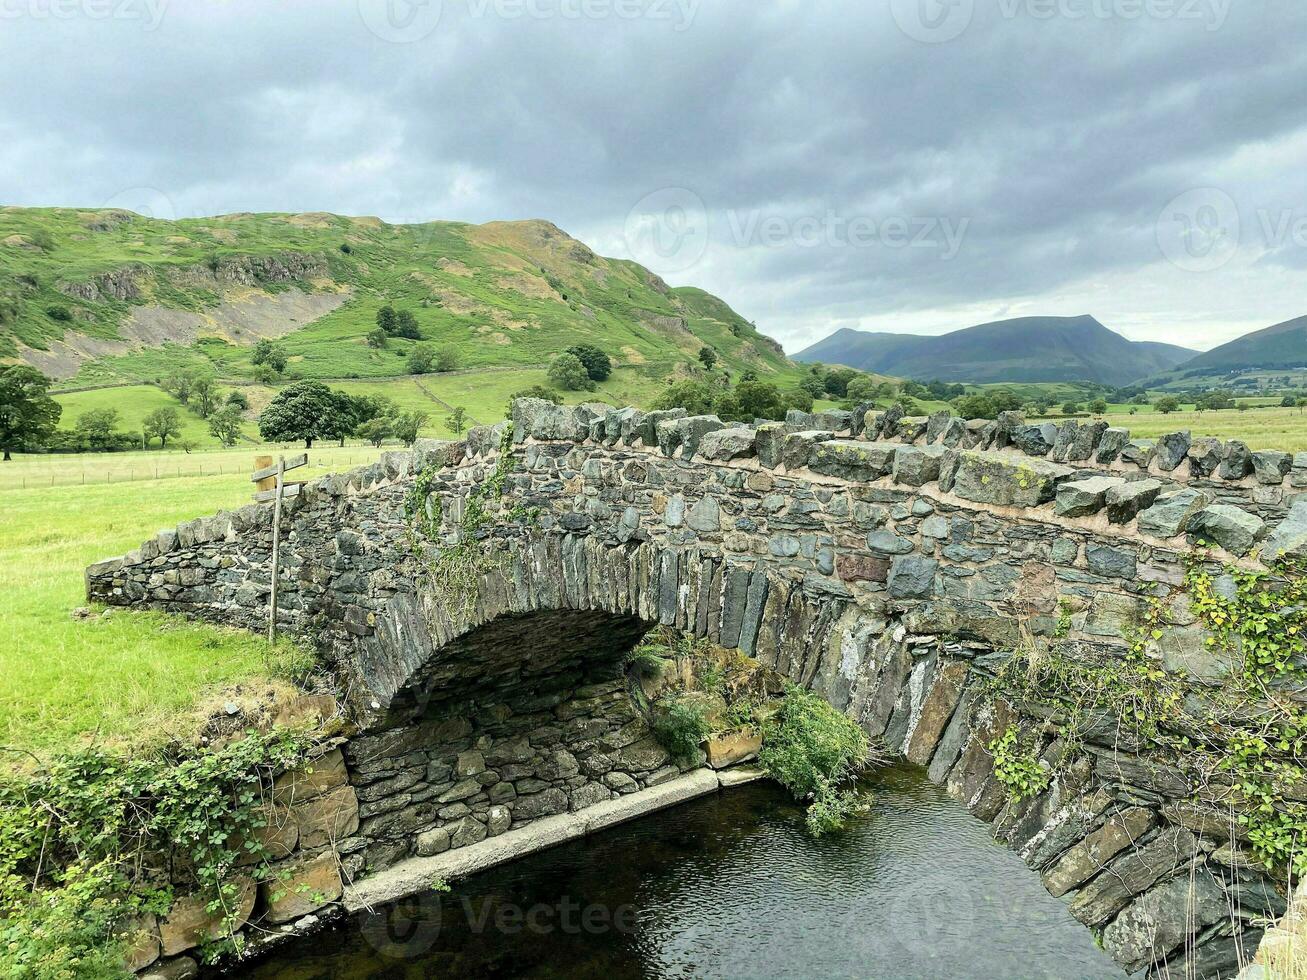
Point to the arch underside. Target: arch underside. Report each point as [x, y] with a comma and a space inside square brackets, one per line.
[553, 619]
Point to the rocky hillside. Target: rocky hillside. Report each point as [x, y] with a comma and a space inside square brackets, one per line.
[1024, 349]
[104, 296]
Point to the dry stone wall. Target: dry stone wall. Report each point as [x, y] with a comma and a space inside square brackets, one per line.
[893, 565]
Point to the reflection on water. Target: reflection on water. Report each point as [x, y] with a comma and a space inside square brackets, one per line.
[732, 886]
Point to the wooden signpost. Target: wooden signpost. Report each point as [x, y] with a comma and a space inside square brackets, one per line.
[275, 473]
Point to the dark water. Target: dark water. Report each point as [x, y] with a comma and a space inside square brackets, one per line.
[732, 886]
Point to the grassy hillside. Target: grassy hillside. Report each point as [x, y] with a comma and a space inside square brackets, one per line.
[1243, 362]
[1024, 349]
[108, 296]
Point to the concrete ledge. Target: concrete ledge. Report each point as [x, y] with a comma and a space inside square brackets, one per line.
[416, 874]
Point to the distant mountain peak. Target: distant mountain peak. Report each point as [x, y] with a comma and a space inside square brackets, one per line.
[1016, 349]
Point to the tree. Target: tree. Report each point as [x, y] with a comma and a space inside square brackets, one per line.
[376, 431]
[759, 400]
[96, 427]
[1167, 404]
[596, 362]
[377, 338]
[421, 359]
[861, 389]
[567, 372]
[814, 386]
[386, 319]
[1098, 406]
[406, 325]
[797, 398]
[204, 393]
[447, 357]
[837, 381]
[225, 425]
[406, 425]
[975, 407]
[693, 396]
[1004, 401]
[1044, 404]
[535, 391]
[707, 357]
[162, 424]
[238, 399]
[271, 353]
[179, 384]
[27, 412]
[1070, 408]
[1288, 401]
[303, 410]
[457, 420]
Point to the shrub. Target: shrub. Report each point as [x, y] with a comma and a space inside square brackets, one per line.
[59, 313]
[811, 749]
[596, 362]
[680, 726]
[568, 373]
[421, 359]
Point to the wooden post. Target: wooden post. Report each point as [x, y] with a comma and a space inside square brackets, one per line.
[276, 547]
[262, 463]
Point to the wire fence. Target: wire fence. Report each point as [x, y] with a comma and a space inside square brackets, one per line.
[29, 476]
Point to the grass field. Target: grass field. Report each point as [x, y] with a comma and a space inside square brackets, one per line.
[66, 681]
[1260, 428]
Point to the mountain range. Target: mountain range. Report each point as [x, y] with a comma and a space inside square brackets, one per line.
[1024, 349]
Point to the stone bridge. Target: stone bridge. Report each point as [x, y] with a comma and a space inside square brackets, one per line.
[475, 601]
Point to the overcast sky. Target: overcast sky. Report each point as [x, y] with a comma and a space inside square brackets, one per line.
[902, 165]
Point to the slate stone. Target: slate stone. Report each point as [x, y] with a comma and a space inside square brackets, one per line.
[1166, 855]
[682, 436]
[1233, 529]
[912, 577]
[1158, 923]
[1066, 437]
[995, 478]
[1238, 461]
[889, 543]
[1086, 441]
[954, 434]
[1006, 427]
[1110, 562]
[1139, 452]
[705, 515]
[1036, 440]
[536, 418]
[1172, 449]
[1205, 456]
[916, 465]
[851, 459]
[1082, 498]
[1091, 855]
[936, 424]
[1271, 467]
[1126, 500]
[1111, 444]
[728, 444]
[1171, 513]
[1290, 537]
[798, 446]
[768, 442]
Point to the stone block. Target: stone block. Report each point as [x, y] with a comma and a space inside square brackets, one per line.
[1125, 500]
[994, 478]
[189, 922]
[1237, 463]
[912, 577]
[1036, 440]
[1161, 921]
[1271, 467]
[851, 459]
[682, 436]
[1290, 537]
[1112, 443]
[1171, 513]
[1091, 855]
[1082, 498]
[1171, 450]
[312, 779]
[328, 818]
[1231, 528]
[727, 750]
[916, 466]
[724, 445]
[797, 448]
[311, 883]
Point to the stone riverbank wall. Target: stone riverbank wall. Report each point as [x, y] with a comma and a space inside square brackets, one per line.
[895, 566]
